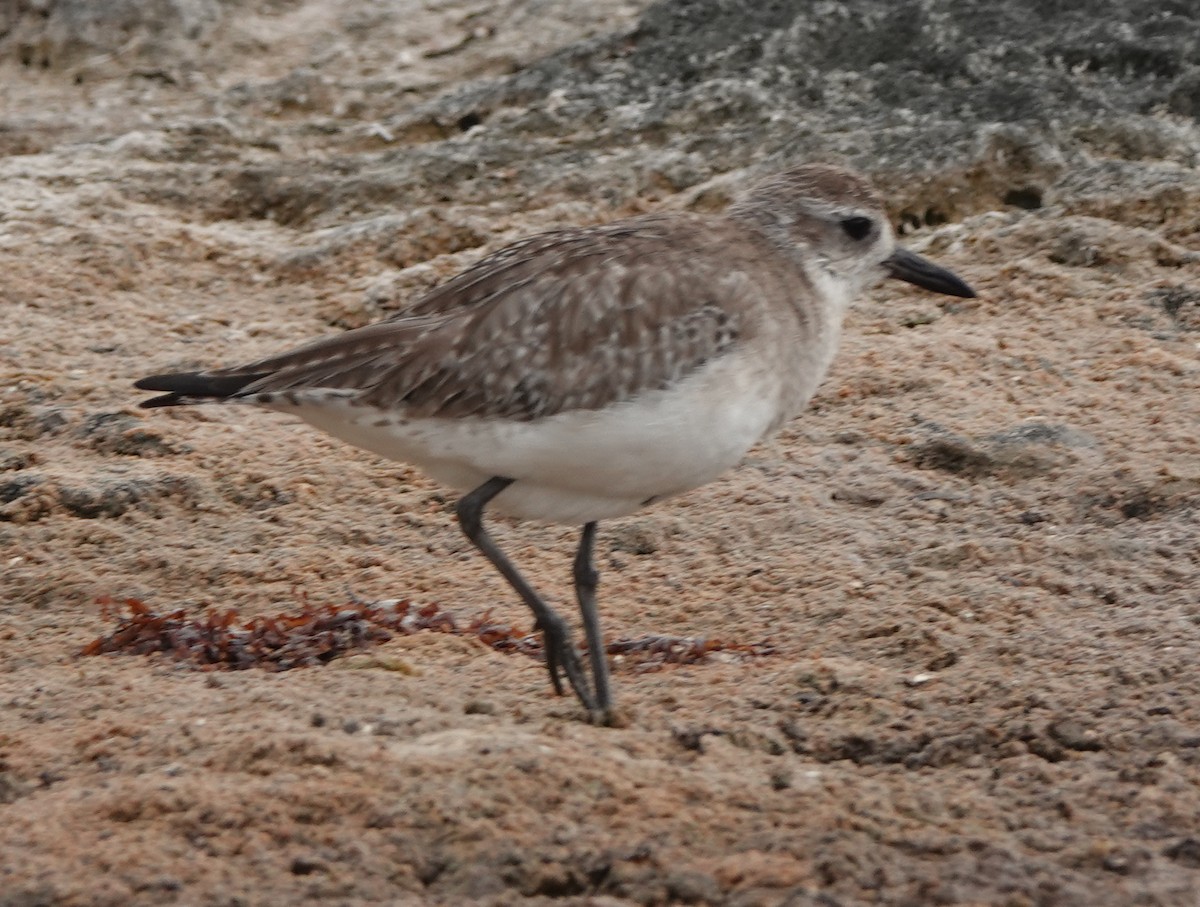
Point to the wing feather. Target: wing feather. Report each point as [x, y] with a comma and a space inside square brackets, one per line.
[576, 319]
[581, 321]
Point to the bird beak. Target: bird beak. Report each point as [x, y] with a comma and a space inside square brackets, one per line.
[911, 267]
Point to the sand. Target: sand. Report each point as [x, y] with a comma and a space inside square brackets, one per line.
[975, 558]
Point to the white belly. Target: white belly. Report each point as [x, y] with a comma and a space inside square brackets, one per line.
[582, 465]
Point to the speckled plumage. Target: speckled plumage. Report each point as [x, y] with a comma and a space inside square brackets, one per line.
[581, 374]
[573, 319]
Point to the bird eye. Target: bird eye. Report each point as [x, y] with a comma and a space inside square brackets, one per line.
[857, 227]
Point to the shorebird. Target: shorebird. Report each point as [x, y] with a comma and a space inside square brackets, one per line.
[582, 374]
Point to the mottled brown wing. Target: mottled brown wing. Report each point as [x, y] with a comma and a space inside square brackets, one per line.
[355, 360]
[572, 320]
[575, 319]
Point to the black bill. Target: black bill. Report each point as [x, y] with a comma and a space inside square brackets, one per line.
[914, 269]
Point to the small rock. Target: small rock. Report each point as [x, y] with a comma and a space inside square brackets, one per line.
[12, 489]
[633, 540]
[943, 661]
[303, 866]
[1185, 852]
[1072, 734]
[688, 886]
[780, 779]
[118, 433]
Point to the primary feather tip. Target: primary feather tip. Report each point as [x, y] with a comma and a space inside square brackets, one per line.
[191, 387]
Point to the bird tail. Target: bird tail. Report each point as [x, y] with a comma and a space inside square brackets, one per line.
[184, 388]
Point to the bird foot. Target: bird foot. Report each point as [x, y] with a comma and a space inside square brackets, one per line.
[562, 659]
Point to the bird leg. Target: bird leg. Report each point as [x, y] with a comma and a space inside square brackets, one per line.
[586, 580]
[556, 636]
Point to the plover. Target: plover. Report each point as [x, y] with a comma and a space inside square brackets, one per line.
[582, 374]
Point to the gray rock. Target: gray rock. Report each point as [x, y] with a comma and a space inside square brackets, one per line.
[994, 100]
[952, 108]
[54, 34]
[1023, 451]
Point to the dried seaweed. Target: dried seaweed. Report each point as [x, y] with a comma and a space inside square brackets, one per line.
[317, 634]
[220, 639]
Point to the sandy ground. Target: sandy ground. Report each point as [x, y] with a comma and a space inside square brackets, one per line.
[975, 557]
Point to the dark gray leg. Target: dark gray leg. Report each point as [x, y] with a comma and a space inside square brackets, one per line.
[556, 636]
[586, 580]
